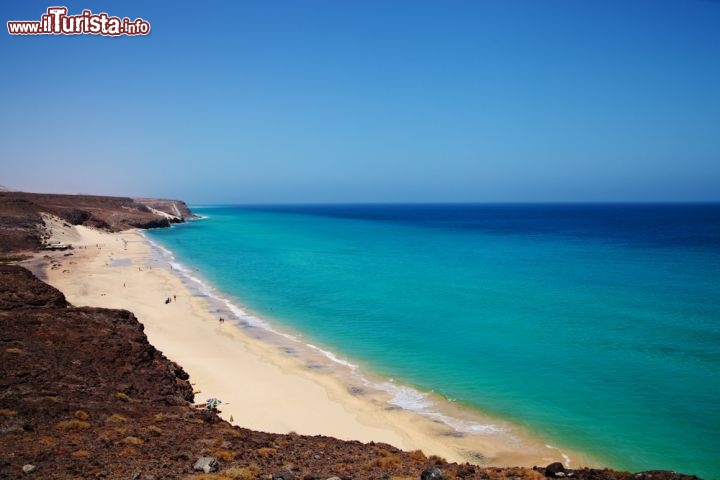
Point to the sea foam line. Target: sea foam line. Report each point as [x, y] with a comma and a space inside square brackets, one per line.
[334, 358]
[566, 458]
[206, 289]
[404, 397]
[411, 399]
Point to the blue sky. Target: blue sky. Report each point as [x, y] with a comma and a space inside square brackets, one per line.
[369, 101]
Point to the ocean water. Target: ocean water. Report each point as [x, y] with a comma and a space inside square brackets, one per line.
[596, 327]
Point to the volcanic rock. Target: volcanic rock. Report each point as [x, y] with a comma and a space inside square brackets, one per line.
[206, 464]
[554, 469]
[21, 226]
[432, 474]
[83, 394]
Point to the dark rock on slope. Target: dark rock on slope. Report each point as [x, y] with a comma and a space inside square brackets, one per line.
[176, 208]
[84, 395]
[19, 289]
[21, 224]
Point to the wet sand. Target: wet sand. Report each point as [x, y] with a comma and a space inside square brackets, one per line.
[267, 382]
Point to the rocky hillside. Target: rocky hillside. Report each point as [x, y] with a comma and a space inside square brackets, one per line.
[174, 208]
[84, 395]
[21, 224]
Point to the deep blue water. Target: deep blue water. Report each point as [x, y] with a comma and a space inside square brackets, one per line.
[596, 326]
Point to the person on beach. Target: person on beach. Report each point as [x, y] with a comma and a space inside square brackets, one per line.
[167, 300]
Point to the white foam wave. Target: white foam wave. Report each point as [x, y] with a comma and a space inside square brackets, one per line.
[565, 457]
[332, 357]
[465, 426]
[411, 399]
[165, 252]
[186, 272]
[403, 397]
[246, 317]
[205, 289]
[406, 398]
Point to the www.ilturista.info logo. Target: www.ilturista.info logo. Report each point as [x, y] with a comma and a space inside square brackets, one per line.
[57, 22]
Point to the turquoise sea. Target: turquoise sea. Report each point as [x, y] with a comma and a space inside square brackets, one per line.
[597, 327]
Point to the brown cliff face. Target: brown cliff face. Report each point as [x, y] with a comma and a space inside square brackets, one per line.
[21, 224]
[84, 395]
[176, 208]
[19, 289]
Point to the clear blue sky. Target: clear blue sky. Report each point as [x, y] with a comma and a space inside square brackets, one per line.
[369, 101]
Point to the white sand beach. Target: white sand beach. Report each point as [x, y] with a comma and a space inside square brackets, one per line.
[262, 386]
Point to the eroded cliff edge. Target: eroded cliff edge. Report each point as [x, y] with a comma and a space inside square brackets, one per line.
[21, 224]
[84, 395]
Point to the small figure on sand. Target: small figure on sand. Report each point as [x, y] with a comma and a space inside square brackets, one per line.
[174, 298]
[222, 320]
[167, 300]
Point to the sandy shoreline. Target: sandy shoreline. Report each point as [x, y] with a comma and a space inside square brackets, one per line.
[265, 385]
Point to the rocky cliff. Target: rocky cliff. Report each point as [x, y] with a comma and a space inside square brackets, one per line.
[21, 227]
[84, 395]
[174, 208]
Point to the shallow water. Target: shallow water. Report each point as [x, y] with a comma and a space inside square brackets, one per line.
[595, 326]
